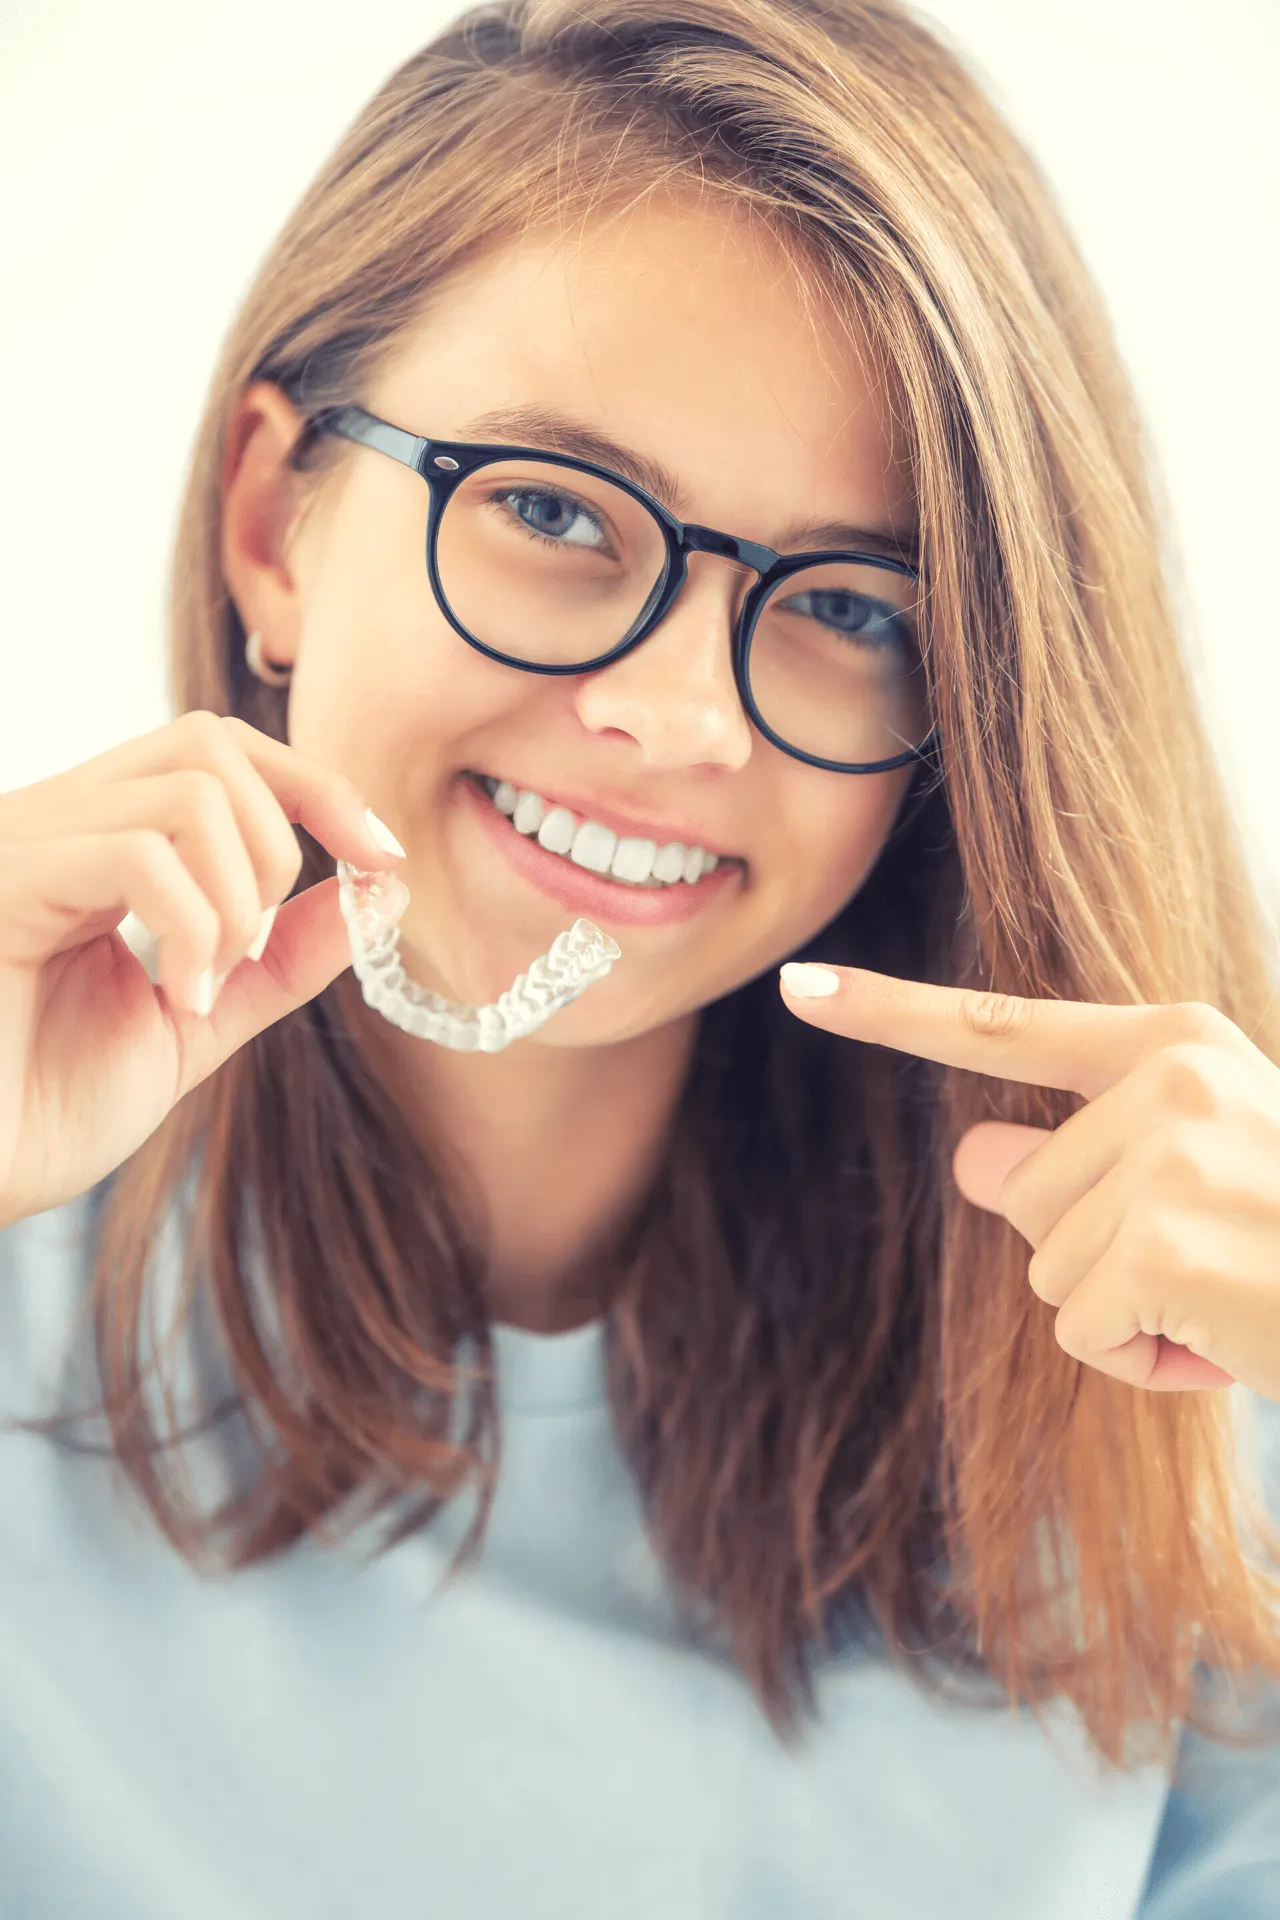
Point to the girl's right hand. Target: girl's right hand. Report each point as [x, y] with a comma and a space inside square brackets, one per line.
[188, 827]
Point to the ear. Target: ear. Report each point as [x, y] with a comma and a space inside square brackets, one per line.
[260, 501]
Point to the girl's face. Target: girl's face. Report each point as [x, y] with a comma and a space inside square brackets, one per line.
[678, 334]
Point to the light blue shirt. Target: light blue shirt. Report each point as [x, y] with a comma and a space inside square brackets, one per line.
[328, 1735]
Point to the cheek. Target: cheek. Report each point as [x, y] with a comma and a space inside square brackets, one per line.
[843, 837]
[403, 722]
[371, 622]
[383, 687]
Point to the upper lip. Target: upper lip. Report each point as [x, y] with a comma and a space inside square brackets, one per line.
[626, 826]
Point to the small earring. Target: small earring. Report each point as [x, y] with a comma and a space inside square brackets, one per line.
[273, 675]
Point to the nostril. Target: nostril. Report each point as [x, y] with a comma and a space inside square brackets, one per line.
[679, 710]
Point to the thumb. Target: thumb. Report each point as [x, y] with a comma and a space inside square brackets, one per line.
[987, 1155]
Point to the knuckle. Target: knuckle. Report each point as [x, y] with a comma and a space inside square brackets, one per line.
[1027, 1220]
[993, 1016]
[1153, 1243]
[275, 847]
[1190, 1079]
[1175, 1158]
[203, 797]
[205, 730]
[1199, 1335]
[1040, 1278]
[1200, 1023]
[149, 851]
[149, 855]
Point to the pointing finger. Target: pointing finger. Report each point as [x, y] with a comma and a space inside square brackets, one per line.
[1077, 1046]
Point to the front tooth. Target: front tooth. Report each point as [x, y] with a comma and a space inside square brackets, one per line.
[669, 864]
[557, 830]
[693, 864]
[593, 847]
[527, 814]
[634, 860]
[505, 796]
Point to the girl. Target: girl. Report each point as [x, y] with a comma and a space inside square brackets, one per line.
[670, 472]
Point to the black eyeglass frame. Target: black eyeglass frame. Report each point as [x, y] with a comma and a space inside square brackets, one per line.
[445, 464]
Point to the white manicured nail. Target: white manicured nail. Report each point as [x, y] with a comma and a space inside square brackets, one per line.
[259, 946]
[806, 982]
[381, 835]
[141, 943]
[205, 993]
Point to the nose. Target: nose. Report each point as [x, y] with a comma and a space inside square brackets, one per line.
[675, 693]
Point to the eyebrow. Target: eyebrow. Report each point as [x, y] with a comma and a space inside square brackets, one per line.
[553, 432]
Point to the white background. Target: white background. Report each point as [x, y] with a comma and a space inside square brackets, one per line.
[149, 150]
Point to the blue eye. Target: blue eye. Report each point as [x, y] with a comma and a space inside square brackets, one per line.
[554, 516]
[851, 614]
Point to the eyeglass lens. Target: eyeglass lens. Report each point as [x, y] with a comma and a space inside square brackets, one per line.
[554, 567]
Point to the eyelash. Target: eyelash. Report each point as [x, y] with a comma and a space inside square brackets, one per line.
[505, 494]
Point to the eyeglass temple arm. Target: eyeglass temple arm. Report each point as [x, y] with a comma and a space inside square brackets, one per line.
[353, 423]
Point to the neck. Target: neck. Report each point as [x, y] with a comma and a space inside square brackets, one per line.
[559, 1146]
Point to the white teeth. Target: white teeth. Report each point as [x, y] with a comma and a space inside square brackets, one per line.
[527, 814]
[634, 860]
[593, 847]
[668, 864]
[557, 830]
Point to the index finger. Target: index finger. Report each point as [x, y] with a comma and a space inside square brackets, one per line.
[1078, 1046]
[329, 805]
[265, 779]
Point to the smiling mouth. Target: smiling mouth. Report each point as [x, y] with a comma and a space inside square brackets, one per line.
[581, 842]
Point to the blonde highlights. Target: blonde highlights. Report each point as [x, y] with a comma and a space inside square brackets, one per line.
[852, 1409]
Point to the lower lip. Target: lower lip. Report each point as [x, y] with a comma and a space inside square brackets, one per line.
[581, 892]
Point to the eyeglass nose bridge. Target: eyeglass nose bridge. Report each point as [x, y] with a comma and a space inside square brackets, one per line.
[748, 553]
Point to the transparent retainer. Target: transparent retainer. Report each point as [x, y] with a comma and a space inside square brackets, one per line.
[576, 960]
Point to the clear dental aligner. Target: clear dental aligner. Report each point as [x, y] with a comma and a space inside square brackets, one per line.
[576, 960]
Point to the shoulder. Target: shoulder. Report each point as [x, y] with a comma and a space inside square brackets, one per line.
[46, 1263]
[1218, 1848]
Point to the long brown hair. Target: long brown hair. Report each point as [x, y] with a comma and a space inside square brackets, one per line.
[850, 1415]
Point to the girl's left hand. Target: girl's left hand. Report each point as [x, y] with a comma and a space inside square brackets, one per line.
[1154, 1211]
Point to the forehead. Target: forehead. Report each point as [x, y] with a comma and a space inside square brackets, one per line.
[684, 329]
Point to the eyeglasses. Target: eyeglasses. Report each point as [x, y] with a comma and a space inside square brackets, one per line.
[555, 565]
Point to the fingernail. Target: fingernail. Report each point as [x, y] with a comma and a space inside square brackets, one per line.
[381, 834]
[807, 982]
[204, 995]
[142, 944]
[259, 946]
